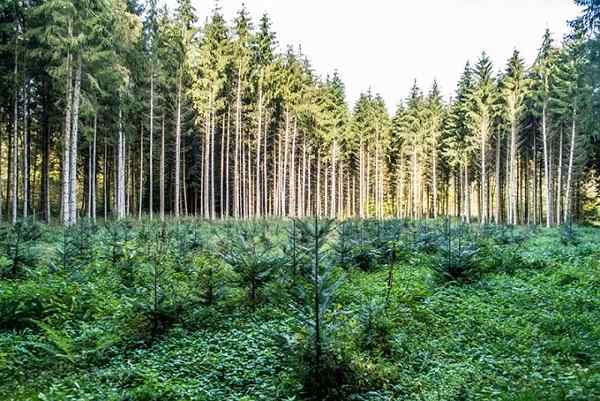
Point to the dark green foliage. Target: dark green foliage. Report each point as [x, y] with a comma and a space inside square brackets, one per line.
[425, 239]
[456, 260]
[505, 235]
[75, 247]
[375, 328]
[118, 251]
[569, 235]
[209, 276]
[158, 305]
[343, 245]
[251, 254]
[182, 331]
[322, 373]
[19, 245]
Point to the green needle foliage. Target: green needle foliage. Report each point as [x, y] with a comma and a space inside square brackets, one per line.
[19, 244]
[322, 374]
[252, 256]
[457, 260]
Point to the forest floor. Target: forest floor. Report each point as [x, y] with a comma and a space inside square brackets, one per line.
[91, 317]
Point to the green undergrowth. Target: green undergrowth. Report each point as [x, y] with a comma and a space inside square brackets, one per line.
[527, 329]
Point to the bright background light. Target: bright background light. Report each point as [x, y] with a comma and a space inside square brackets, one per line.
[386, 44]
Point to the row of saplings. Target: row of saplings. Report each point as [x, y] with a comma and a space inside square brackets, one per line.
[301, 263]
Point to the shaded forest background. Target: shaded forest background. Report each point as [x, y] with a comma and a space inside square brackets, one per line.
[115, 108]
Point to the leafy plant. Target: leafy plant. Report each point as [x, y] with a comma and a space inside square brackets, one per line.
[456, 261]
[252, 257]
[20, 247]
[376, 327]
[322, 373]
[209, 277]
[569, 235]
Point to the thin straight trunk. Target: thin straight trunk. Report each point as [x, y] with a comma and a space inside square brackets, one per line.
[161, 169]
[206, 159]
[26, 177]
[559, 185]
[434, 186]
[74, 142]
[512, 215]
[227, 177]
[258, 154]
[177, 190]
[212, 166]
[151, 147]
[361, 171]
[483, 218]
[284, 195]
[129, 184]
[120, 169]
[238, 138]
[467, 196]
[309, 198]
[304, 168]
[184, 185]
[89, 183]
[67, 142]
[93, 170]
[292, 190]
[105, 179]
[413, 189]
[497, 204]
[277, 177]
[547, 168]
[535, 182]
[45, 199]
[141, 191]
[568, 211]
[265, 176]
[222, 170]
[14, 173]
[333, 177]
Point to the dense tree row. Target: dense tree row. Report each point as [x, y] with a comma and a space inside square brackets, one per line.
[117, 109]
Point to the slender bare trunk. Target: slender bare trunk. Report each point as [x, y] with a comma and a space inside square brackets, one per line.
[559, 195]
[120, 169]
[26, 176]
[141, 183]
[151, 146]
[547, 168]
[177, 190]
[67, 144]
[162, 171]
[567, 208]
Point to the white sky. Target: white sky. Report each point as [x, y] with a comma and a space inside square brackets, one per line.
[386, 44]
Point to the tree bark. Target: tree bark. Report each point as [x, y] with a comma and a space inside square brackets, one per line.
[547, 168]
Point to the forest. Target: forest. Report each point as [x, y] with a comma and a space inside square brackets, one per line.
[190, 211]
[115, 109]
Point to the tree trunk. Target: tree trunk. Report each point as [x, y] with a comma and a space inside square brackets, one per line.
[567, 209]
[93, 171]
[67, 145]
[559, 195]
[547, 169]
[258, 153]
[161, 173]
[74, 142]
[497, 193]
[141, 183]
[151, 146]
[483, 179]
[177, 189]
[120, 169]
[26, 177]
